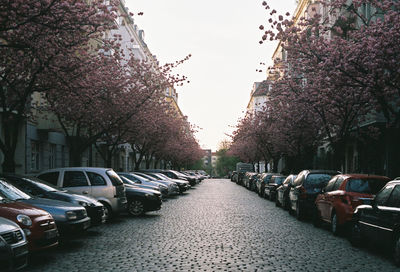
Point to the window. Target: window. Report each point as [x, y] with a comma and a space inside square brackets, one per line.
[317, 180]
[383, 195]
[394, 199]
[52, 156]
[62, 156]
[74, 179]
[330, 185]
[368, 186]
[366, 10]
[337, 184]
[96, 179]
[35, 155]
[51, 177]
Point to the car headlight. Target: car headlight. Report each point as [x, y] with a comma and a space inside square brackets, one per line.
[84, 203]
[71, 215]
[24, 220]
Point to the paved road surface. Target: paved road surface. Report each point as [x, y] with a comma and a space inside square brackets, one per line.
[217, 226]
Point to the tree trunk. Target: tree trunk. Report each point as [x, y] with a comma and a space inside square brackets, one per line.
[11, 125]
[139, 161]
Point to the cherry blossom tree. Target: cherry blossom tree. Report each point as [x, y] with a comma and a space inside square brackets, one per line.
[36, 35]
[336, 65]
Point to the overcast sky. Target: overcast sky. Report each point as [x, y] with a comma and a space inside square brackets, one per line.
[222, 36]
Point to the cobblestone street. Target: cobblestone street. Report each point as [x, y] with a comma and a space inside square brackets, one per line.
[217, 226]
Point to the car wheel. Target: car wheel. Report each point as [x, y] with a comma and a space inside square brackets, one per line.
[334, 225]
[285, 204]
[108, 213]
[316, 219]
[135, 207]
[277, 204]
[299, 212]
[356, 237]
[396, 252]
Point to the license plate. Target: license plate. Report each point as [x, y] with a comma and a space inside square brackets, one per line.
[51, 234]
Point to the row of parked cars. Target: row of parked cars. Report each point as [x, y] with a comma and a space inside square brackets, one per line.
[365, 208]
[35, 212]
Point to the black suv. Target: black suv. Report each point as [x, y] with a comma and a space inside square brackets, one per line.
[307, 185]
[273, 184]
[380, 221]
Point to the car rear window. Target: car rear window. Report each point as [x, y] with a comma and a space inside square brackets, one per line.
[317, 180]
[366, 186]
[278, 180]
[96, 179]
[51, 177]
[115, 179]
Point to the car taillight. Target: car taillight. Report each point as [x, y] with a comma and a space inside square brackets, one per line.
[302, 192]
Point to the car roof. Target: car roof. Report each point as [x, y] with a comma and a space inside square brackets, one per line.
[363, 176]
[395, 182]
[78, 168]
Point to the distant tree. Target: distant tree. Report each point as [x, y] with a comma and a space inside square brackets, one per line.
[225, 162]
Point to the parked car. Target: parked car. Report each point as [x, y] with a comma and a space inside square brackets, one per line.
[198, 177]
[101, 183]
[179, 175]
[234, 176]
[69, 217]
[307, 185]
[336, 204]
[262, 181]
[141, 180]
[38, 225]
[379, 222]
[142, 200]
[248, 178]
[272, 185]
[183, 185]
[173, 188]
[39, 188]
[13, 246]
[282, 192]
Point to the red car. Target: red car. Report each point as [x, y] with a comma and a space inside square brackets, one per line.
[343, 193]
[38, 225]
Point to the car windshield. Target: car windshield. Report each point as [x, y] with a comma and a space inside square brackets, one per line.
[10, 192]
[146, 176]
[279, 180]
[43, 185]
[366, 186]
[317, 180]
[142, 179]
[161, 176]
[127, 180]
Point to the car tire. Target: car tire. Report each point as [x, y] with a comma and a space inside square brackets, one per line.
[277, 204]
[285, 204]
[335, 228]
[299, 212]
[316, 219]
[396, 251]
[135, 207]
[108, 212]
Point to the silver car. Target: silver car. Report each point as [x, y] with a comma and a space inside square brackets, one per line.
[101, 183]
[13, 246]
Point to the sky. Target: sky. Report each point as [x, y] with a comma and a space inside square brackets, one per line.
[223, 38]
